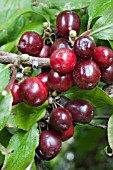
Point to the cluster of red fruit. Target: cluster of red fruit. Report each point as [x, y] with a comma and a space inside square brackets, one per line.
[82, 65]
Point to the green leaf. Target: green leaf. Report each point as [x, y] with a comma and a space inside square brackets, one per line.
[111, 44]
[5, 109]
[8, 47]
[24, 116]
[8, 8]
[24, 145]
[4, 140]
[97, 9]
[64, 4]
[4, 76]
[110, 132]
[103, 27]
[96, 96]
[35, 26]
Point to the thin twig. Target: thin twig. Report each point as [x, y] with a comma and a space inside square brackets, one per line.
[36, 62]
[101, 117]
[98, 125]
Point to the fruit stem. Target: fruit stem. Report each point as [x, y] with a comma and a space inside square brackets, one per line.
[13, 77]
[86, 33]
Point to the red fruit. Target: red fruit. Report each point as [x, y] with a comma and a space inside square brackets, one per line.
[81, 111]
[66, 21]
[61, 119]
[86, 74]
[43, 77]
[15, 90]
[42, 156]
[63, 60]
[107, 74]
[60, 43]
[30, 43]
[33, 91]
[84, 47]
[67, 134]
[45, 52]
[103, 56]
[59, 82]
[49, 143]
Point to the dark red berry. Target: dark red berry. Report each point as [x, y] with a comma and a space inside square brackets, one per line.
[66, 21]
[30, 43]
[15, 90]
[107, 74]
[33, 91]
[63, 60]
[43, 77]
[49, 143]
[81, 111]
[84, 47]
[42, 156]
[59, 82]
[67, 134]
[103, 56]
[61, 119]
[86, 74]
[45, 52]
[60, 43]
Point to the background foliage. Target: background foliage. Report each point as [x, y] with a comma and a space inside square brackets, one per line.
[18, 124]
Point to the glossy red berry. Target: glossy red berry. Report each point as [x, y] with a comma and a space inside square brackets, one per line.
[60, 43]
[67, 134]
[63, 60]
[61, 119]
[49, 143]
[84, 47]
[33, 91]
[66, 21]
[30, 43]
[86, 74]
[43, 77]
[103, 56]
[107, 74]
[15, 90]
[42, 156]
[81, 111]
[59, 82]
[45, 52]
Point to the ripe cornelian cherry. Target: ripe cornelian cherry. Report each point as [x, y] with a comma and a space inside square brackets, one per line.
[30, 43]
[103, 56]
[81, 110]
[61, 119]
[59, 82]
[33, 91]
[86, 74]
[66, 21]
[84, 47]
[15, 90]
[63, 60]
[49, 143]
